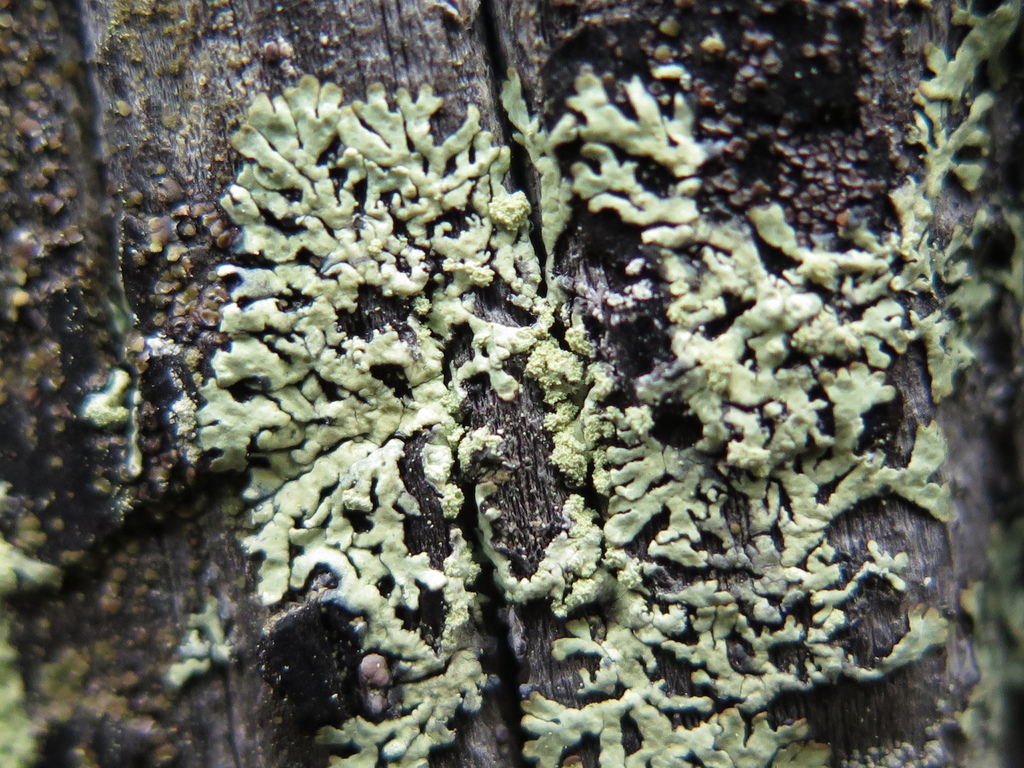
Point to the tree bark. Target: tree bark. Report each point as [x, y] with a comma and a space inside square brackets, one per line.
[797, 136]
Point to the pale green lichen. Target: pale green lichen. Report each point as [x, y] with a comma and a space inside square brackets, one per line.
[996, 607]
[570, 574]
[18, 748]
[793, 461]
[337, 202]
[555, 192]
[204, 647]
[108, 408]
[560, 374]
[345, 204]
[951, 127]
[111, 409]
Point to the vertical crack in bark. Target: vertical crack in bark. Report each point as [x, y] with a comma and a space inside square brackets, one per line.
[521, 170]
[506, 665]
[229, 694]
[89, 122]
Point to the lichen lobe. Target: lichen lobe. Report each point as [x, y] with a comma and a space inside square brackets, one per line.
[340, 204]
[782, 347]
[694, 554]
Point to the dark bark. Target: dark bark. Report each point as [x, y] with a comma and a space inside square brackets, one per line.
[116, 120]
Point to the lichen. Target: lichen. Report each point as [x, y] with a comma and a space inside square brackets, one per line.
[951, 127]
[107, 409]
[204, 646]
[931, 754]
[366, 244]
[781, 390]
[341, 204]
[18, 748]
[996, 608]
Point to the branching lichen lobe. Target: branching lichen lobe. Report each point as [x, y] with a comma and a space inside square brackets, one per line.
[785, 321]
[341, 204]
[693, 572]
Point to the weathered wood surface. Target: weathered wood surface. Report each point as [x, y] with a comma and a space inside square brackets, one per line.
[116, 121]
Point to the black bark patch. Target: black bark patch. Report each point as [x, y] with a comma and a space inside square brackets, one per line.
[309, 658]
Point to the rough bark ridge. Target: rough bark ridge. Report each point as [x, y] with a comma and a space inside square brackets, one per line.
[641, 394]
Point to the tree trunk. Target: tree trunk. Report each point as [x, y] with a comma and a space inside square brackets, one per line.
[645, 394]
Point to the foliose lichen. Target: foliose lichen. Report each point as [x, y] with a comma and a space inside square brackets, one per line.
[366, 241]
[342, 205]
[781, 389]
[782, 435]
[204, 647]
[18, 748]
[996, 607]
[107, 408]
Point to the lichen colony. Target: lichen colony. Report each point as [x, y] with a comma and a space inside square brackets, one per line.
[671, 551]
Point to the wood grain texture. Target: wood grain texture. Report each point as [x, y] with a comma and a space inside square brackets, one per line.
[150, 93]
